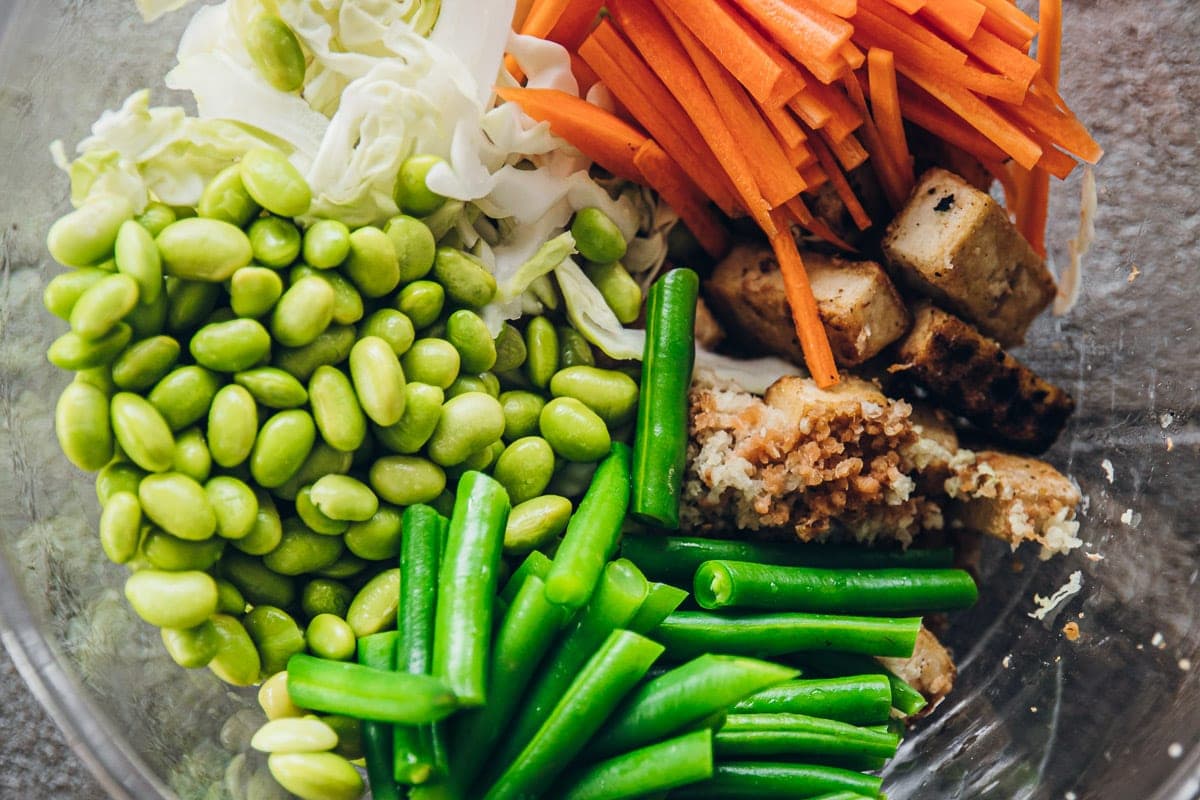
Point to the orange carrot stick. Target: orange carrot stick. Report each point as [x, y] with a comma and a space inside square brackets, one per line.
[542, 16]
[885, 103]
[811, 40]
[813, 174]
[839, 8]
[908, 6]
[849, 151]
[787, 130]
[852, 55]
[809, 329]
[1035, 209]
[927, 112]
[890, 175]
[666, 178]
[998, 54]
[909, 27]
[958, 18]
[837, 179]
[845, 118]
[1049, 40]
[1010, 23]
[1062, 128]
[811, 111]
[575, 22]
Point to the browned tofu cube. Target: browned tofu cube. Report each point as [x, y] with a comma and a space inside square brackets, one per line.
[954, 244]
[860, 307]
[972, 375]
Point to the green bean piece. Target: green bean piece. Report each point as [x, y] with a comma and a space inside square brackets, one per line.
[613, 395]
[620, 291]
[276, 636]
[510, 349]
[467, 586]
[274, 183]
[84, 427]
[767, 780]
[904, 698]
[592, 534]
[377, 652]
[856, 699]
[372, 265]
[620, 594]
[743, 584]
[600, 686]
[535, 564]
[682, 697]
[325, 596]
[337, 687]
[257, 583]
[690, 633]
[526, 634]
[795, 737]
[656, 768]
[541, 344]
[661, 601]
[660, 446]
[597, 237]
[87, 235]
[422, 301]
[412, 194]
[674, 559]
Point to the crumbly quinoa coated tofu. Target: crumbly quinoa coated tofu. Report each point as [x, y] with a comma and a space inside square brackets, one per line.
[971, 375]
[859, 306]
[955, 244]
[929, 670]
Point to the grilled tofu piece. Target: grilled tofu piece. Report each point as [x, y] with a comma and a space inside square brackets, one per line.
[1015, 499]
[929, 670]
[954, 244]
[971, 375]
[860, 308]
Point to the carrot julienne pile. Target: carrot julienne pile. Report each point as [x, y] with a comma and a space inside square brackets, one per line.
[749, 105]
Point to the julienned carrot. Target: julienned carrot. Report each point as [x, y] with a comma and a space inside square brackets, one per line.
[994, 52]
[840, 185]
[814, 174]
[776, 179]
[1049, 40]
[1034, 209]
[754, 66]
[520, 12]
[811, 40]
[890, 175]
[653, 105]
[841, 8]
[601, 136]
[885, 103]
[665, 177]
[958, 18]
[542, 16]
[908, 6]
[787, 130]
[799, 213]
[852, 55]
[926, 111]
[653, 37]
[897, 21]
[845, 118]
[1010, 23]
[811, 111]
[809, 328]
[1062, 128]
[795, 81]
[575, 22]
[849, 151]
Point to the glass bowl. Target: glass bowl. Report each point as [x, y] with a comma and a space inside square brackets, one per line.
[1114, 715]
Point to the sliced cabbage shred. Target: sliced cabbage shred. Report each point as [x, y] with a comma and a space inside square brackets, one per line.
[387, 79]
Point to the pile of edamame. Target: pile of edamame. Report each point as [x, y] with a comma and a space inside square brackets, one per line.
[262, 400]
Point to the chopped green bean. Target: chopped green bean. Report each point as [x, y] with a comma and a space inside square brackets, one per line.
[689, 633]
[905, 698]
[856, 699]
[338, 687]
[765, 780]
[656, 768]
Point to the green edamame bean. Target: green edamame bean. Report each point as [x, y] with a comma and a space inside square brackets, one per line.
[231, 346]
[469, 334]
[521, 412]
[574, 431]
[121, 527]
[236, 662]
[202, 249]
[414, 245]
[137, 256]
[467, 383]
[274, 699]
[331, 347]
[192, 456]
[274, 183]
[620, 291]
[541, 343]
[326, 244]
[276, 52]
[469, 422]
[314, 518]
[232, 425]
[172, 599]
[422, 302]
[142, 432]
[235, 506]
[490, 382]
[347, 302]
[63, 291]
[431, 361]
[304, 735]
[253, 291]
[118, 476]
[393, 327]
[510, 349]
[535, 522]
[378, 538]
[73, 352]
[149, 319]
[163, 551]
[336, 409]
[322, 461]
[347, 566]
[178, 505]
[274, 241]
[272, 387]
[276, 636]
[412, 194]
[88, 234]
[573, 349]
[184, 396]
[378, 380]
[283, 444]
[374, 607]
[597, 237]
[525, 468]
[405, 480]
[100, 377]
[316, 776]
[303, 312]
[257, 583]
[104, 305]
[302, 550]
[229, 598]
[611, 394]
[325, 596]
[330, 637]
[267, 529]
[372, 265]
[422, 410]
[349, 732]
[225, 198]
[189, 303]
[466, 280]
[191, 648]
[341, 497]
[156, 217]
[145, 363]
[83, 426]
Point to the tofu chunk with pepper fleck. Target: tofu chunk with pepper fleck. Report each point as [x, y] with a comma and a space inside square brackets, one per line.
[954, 244]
